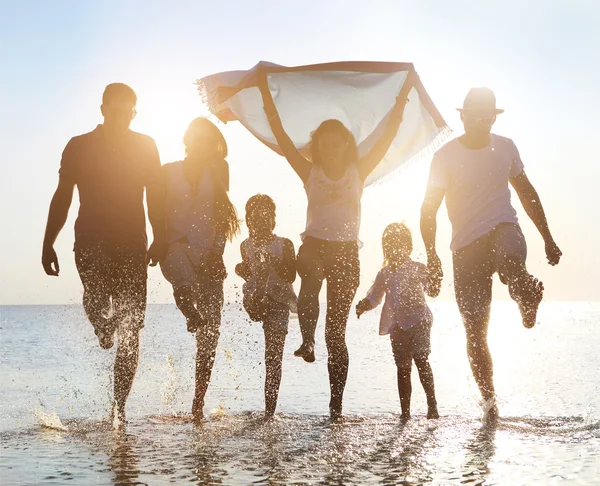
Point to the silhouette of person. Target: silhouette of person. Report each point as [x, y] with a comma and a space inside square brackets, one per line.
[473, 173]
[200, 219]
[406, 316]
[334, 183]
[111, 166]
[269, 268]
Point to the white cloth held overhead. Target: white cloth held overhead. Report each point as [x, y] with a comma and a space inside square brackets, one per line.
[359, 94]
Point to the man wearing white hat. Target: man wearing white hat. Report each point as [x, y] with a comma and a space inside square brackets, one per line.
[473, 173]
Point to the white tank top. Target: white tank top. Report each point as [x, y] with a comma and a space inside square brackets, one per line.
[264, 278]
[333, 211]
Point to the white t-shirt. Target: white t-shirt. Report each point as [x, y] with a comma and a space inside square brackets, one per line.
[333, 211]
[476, 184]
[404, 291]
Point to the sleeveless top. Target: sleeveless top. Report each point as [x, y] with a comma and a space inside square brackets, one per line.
[264, 278]
[190, 215]
[333, 211]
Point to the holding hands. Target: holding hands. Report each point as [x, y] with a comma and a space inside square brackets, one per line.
[363, 306]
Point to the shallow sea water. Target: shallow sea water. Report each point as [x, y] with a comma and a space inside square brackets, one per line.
[56, 386]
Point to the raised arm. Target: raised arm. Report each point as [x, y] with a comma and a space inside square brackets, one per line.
[431, 204]
[300, 165]
[533, 207]
[370, 161]
[57, 217]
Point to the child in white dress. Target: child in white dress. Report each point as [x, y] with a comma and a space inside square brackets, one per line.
[269, 268]
[405, 316]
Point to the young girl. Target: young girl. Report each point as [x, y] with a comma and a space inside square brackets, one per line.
[334, 182]
[269, 268]
[405, 317]
[200, 218]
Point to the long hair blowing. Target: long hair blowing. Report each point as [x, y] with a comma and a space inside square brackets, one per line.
[227, 221]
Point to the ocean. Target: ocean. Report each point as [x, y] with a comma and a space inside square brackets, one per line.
[55, 385]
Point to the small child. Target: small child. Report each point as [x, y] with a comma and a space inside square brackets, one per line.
[269, 268]
[406, 316]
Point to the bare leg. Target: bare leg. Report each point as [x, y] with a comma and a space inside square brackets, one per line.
[340, 293]
[403, 357]
[426, 377]
[274, 345]
[524, 289]
[184, 298]
[129, 308]
[308, 315]
[310, 268]
[510, 250]
[473, 270]
[126, 362]
[210, 304]
[95, 267]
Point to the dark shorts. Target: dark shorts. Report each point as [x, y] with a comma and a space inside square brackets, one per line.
[329, 260]
[476, 263]
[115, 275]
[406, 344]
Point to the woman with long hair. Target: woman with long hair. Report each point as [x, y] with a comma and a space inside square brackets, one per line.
[200, 219]
[333, 180]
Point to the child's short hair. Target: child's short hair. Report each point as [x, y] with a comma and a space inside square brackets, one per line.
[260, 201]
[396, 235]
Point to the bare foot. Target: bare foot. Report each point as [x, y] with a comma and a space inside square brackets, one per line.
[490, 411]
[106, 333]
[307, 352]
[432, 413]
[528, 298]
[336, 417]
[198, 417]
[118, 418]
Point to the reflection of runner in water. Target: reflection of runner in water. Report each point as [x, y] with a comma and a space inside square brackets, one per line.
[111, 166]
[473, 173]
[334, 184]
[406, 316]
[269, 268]
[200, 218]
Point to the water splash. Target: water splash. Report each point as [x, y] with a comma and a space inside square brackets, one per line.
[171, 386]
[49, 420]
[219, 413]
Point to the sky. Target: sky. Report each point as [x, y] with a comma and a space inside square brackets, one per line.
[541, 59]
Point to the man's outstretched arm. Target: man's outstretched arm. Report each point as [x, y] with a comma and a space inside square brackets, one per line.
[431, 204]
[533, 207]
[57, 217]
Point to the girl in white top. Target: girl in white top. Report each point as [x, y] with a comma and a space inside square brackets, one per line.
[334, 182]
[269, 268]
[406, 316]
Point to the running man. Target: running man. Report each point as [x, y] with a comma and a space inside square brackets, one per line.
[473, 173]
[111, 166]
